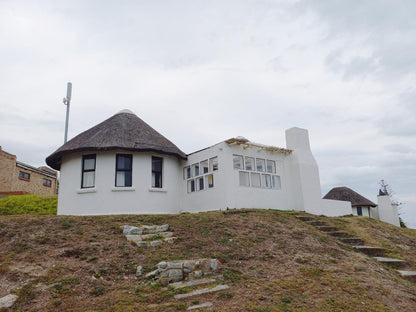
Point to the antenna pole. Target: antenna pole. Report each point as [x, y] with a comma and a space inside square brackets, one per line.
[67, 101]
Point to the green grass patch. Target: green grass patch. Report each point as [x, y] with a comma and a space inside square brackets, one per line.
[28, 204]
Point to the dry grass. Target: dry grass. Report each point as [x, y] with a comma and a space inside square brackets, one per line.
[271, 260]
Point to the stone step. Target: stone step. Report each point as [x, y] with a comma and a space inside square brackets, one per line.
[202, 291]
[352, 240]
[196, 282]
[200, 306]
[371, 250]
[326, 228]
[316, 223]
[409, 275]
[393, 262]
[338, 233]
[305, 218]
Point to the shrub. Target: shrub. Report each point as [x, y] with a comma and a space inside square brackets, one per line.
[28, 204]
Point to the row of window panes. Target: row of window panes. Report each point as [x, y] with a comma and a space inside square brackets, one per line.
[253, 179]
[200, 168]
[200, 183]
[47, 182]
[254, 164]
[24, 175]
[124, 171]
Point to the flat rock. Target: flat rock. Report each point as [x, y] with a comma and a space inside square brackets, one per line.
[199, 306]
[389, 260]
[410, 275]
[7, 301]
[191, 283]
[202, 291]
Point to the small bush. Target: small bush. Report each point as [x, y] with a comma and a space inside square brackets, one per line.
[28, 204]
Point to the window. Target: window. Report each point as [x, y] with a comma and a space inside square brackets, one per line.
[209, 180]
[47, 182]
[271, 166]
[191, 186]
[260, 163]
[276, 182]
[157, 164]
[213, 163]
[88, 171]
[266, 181]
[200, 184]
[204, 166]
[186, 172]
[24, 176]
[249, 163]
[199, 176]
[238, 162]
[260, 175]
[195, 170]
[255, 179]
[123, 170]
[359, 211]
[244, 178]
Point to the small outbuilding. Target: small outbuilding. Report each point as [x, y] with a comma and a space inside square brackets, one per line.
[124, 166]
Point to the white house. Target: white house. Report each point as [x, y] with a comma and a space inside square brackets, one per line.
[123, 166]
[385, 210]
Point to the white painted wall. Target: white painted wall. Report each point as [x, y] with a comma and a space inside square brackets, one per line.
[105, 198]
[387, 211]
[298, 171]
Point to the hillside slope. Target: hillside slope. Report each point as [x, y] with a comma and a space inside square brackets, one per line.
[271, 261]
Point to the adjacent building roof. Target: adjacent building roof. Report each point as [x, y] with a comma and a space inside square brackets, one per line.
[123, 131]
[346, 194]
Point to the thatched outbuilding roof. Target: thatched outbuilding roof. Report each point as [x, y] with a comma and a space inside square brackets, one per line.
[123, 131]
[346, 194]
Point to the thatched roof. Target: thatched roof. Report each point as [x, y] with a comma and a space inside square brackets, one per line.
[346, 194]
[123, 131]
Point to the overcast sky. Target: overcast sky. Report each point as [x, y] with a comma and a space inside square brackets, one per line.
[200, 72]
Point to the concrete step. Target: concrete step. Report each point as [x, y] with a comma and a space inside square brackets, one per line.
[393, 262]
[338, 233]
[352, 240]
[371, 250]
[409, 275]
[202, 291]
[200, 281]
[200, 306]
[304, 218]
[326, 228]
[316, 223]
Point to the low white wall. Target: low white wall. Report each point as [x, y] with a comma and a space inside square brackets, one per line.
[333, 208]
[105, 198]
[387, 211]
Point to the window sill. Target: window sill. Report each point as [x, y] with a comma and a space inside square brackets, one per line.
[123, 189]
[157, 190]
[87, 190]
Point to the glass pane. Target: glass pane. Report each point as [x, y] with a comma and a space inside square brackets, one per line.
[190, 186]
[271, 166]
[238, 162]
[276, 182]
[244, 178]
[255, 179]
[249, 163]
[200, 183]
[157, 164]
[266, 181]
[120, 178]
[204, 166]
[213, 164]
[260, 164]
[89, 163]
[209, 180]
[195, 170]
[124, 162]
[88, 179]
[156, 179]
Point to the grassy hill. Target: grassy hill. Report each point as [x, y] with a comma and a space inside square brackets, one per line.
[271, 261]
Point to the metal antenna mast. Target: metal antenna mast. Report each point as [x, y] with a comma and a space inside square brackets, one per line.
[67, 100]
